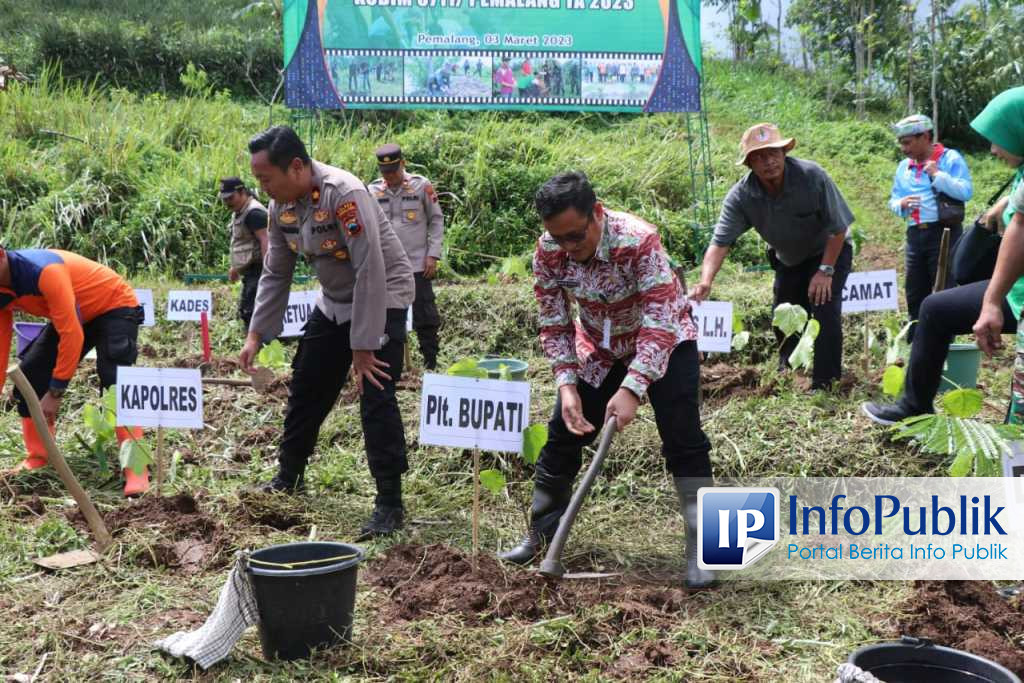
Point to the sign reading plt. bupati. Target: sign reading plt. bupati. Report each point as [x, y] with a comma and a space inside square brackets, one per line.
[569, 55]
[300, 307]
[160, 397]
[875, 290]
[714, 325]
[463, 412]
[145, 297]
[187, 304]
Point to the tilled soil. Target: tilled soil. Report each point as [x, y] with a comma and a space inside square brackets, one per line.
[423, 581]
[721, 381]
[969, 616]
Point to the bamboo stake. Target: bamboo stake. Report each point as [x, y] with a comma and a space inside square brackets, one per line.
[940, 274]
[476, 505]
[92, 517]
[159, 460]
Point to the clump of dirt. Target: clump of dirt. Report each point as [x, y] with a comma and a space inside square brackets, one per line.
[970, 616]
[264, 436]
[190, 541]
[421, 581]
[219, 367]
[411, 380]
[30, 507]
[274, 511]
[278, 387]
[148, 351]
[721, 380]
[644, 657]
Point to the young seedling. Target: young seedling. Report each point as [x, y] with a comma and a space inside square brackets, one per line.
[792, 319]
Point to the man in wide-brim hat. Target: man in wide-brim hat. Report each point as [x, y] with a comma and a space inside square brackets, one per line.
[797, 209]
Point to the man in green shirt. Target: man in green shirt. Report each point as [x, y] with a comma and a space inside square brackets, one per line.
[945, 314]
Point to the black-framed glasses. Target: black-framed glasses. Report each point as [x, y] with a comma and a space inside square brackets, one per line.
[574, 237]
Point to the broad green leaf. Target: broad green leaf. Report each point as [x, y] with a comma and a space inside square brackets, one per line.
[272, 356]
[514, 266]
[789, 318]
[961, 465]
[740, 340]
[803, 354]
[534, 438]
[737, 323]
[135, 456]
[963, 402]
[493, 481]
[467, 367]
[892, 380]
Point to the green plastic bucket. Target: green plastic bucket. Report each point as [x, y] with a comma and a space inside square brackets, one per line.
[516, 368]
[961, 368]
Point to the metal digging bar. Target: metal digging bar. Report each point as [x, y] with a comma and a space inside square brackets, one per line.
[552, 565]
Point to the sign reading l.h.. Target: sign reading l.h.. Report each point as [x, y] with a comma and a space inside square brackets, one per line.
[875, 290]
[714, 325]
[187, 304]
[736, 526]
[296, 314]
[464, 412]
[159, 397]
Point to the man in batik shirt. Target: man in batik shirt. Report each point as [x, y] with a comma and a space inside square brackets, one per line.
[635, 339]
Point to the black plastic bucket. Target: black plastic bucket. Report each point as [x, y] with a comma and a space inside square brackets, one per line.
[306, 593]
[919, 661]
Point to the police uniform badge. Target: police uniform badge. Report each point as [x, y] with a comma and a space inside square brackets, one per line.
[341, 254]
[321, 215]
[328, 245]
[288, 218]
[348, 216]
[410, 215]
[315, 195]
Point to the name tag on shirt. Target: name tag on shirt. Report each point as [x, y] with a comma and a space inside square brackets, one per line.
[568, 284]
[606, 337]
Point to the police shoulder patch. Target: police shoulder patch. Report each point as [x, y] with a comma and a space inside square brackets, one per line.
[431, 193]
[348, 216]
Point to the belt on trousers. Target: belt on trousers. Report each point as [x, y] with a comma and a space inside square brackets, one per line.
[925, 226]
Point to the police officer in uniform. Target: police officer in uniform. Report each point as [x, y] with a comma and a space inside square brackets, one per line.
[248, 228]
[410, 202]
[326, 215]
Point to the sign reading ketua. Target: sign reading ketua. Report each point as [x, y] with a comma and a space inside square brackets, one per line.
[463, 412]
[160, 397]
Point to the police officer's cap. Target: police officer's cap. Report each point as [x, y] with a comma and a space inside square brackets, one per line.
[229, 186]
[389, 156]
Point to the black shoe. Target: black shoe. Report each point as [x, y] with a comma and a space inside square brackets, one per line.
[886, 414]
[281, 484]
[384, 521]
[527, 550]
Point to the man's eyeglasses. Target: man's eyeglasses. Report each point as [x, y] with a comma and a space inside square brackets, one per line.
[574, 237]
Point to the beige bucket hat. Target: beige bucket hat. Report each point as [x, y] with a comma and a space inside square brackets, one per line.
[761, 136]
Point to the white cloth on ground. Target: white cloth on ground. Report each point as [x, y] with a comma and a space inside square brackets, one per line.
[235, 611]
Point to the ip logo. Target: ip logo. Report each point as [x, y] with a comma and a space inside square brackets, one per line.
[735, 526]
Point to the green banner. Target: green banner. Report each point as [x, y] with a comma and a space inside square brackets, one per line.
[610, 55]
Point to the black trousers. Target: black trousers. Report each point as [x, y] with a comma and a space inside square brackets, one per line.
[426, 320]
[943, 315]
[114, 335]
[922, 264]
[791, 283]
[319, 371]
[674, 398]
[247, 299]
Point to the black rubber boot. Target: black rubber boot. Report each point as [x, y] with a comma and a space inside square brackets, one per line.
[686, 490]
[545, 512]
[388, 512]
[282, 483]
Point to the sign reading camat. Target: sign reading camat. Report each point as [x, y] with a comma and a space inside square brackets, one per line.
[186, 304]
[874, 290]
[160, 397]
[300, 307]
[463, 412]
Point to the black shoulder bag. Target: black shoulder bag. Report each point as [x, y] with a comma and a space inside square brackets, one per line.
[975, 253]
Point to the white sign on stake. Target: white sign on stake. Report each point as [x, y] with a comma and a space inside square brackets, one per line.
[159, 397]
[463, 412]
[300, 307]
[875, 290]
[145, 297]
[714, 325]
[188, 304]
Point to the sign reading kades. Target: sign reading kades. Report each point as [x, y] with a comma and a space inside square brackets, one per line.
[300, 307]
[187, 304]
[714, 325]
[463, 412]
[145, 297]
[874, 290]
[160, 397]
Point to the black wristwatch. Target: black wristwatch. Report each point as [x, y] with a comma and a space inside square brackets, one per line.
[828, 270]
